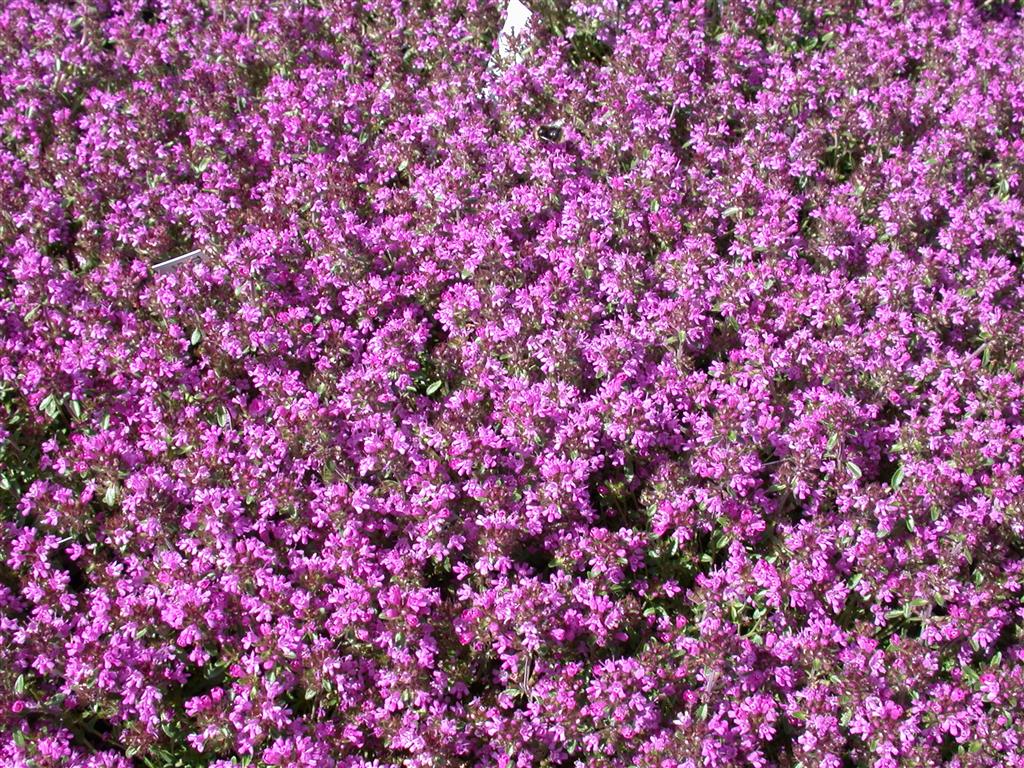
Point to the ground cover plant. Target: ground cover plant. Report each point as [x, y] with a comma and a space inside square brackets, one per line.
[649, 397]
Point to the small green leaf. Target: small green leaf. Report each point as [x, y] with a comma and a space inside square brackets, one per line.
[897, 478]
[110, 497]
[49, 406]
[19, 685]
[197, 336]
[434, 386]
[854, 469]
[731, 211]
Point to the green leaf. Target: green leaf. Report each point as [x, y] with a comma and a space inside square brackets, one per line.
[434, 386]
[897, 478]
[731, 211]
[19, 685]
[110, 497]
[854, 470]
[197, 336]
[49, 406]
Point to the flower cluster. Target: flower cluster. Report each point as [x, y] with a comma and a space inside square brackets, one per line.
[648, 396]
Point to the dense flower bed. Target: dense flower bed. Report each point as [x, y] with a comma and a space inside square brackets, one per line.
[651, 397]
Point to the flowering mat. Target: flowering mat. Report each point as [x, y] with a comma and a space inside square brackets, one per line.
[639, 387]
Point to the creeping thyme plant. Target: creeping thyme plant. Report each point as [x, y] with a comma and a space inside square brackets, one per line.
[650, 396]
